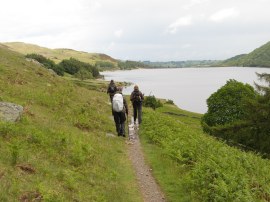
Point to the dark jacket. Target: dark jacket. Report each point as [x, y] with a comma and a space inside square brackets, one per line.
[112, 89]
[136, 97]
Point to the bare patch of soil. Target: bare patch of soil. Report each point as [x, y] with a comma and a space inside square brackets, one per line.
[150, 190]
[30, 196]
[27, 168]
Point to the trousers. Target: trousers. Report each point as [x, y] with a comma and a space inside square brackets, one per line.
[119, 119]
[137, 112]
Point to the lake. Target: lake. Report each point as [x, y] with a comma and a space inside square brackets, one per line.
[187, 87]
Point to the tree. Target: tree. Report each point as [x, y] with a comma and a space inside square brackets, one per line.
[259, 116]
[249, 124]
[73, 66]
[83, 74]
[47, 63]
[228, 104]
[70, 66]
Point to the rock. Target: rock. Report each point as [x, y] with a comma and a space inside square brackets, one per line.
[52, 72]
[10, 112]
[34, 61]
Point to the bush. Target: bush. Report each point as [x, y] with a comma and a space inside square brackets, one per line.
[228, 104]
[240, 115]
[73, 66]
[49, 64]
[83, 74]
[151, 101]
[170, 102]
[105, 64]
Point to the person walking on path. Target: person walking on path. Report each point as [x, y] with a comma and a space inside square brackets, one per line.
[120, 110]
[111, 89]
[137, 98]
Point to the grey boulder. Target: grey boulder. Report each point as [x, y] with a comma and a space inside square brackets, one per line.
[10, 112]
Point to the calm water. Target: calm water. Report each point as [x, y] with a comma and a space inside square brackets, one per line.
[187, 87]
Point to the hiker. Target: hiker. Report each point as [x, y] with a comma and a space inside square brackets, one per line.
[111, 89]
[136, 98]
[120, 109]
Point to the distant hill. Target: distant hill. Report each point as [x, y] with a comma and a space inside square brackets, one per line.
[180, 64]
[58, 55]
[260, 57]
[103, 61]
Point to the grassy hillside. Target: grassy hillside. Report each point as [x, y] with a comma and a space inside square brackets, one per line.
[260, 57]
[58, 55]
[234, 61]
[59, 151]
[192, 166]
[101, 61]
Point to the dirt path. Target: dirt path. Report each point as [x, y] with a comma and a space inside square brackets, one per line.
[149, 188]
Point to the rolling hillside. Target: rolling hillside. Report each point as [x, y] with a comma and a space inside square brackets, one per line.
[260, 57]
[100, 60]
[190, 165]
[62, 149]
[58, 55]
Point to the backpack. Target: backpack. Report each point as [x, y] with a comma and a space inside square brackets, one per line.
[111, 89]
[136, 96]
[118, 103]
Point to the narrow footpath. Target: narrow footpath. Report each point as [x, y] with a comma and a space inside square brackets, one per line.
[150, 190]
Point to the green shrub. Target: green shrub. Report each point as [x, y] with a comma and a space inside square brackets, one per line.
[239, 115]
[151, 101]
[73, 66]
[228, 104]
[207, 169]
[83, 74]
[131, 64]
[170, 102]
[49, 64]
[105, 64]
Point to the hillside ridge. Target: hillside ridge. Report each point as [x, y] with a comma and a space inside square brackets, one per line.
[260, 57]
[58, 54]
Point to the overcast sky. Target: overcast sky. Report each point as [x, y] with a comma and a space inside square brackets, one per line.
[156, 30]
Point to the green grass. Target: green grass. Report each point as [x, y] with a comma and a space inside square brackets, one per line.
[58, 55]
[59, 150]
[192, 166]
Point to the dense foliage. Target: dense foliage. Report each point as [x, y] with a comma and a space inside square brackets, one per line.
[228, 104]
[105, 65]
[151, 101]
[73, 66]
[258, 120]
[180, 64]
[249, 126]
[47, 63]
[192, 166]
[131, 64]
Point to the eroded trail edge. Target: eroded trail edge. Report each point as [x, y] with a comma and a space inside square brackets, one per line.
[150, 190]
